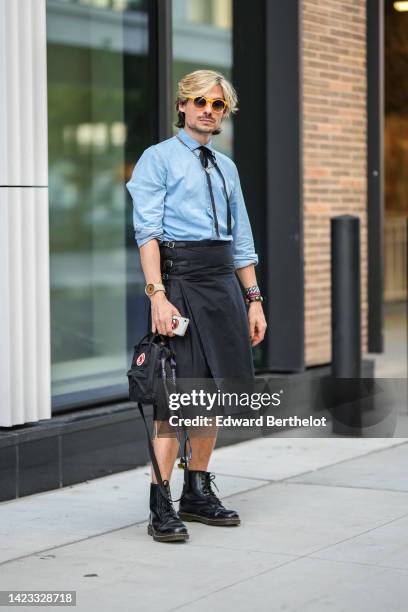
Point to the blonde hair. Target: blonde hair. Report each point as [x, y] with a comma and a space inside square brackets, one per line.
[198, 83]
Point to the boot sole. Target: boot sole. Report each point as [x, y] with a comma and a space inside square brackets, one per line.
[226, 522]
[169, 537]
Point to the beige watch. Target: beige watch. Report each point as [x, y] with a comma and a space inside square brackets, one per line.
[151, 288]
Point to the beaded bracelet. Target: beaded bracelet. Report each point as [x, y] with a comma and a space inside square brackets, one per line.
[254, 288]
[255, 298]
[253, 294]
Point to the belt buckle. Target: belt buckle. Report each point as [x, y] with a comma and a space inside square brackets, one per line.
[170, 244]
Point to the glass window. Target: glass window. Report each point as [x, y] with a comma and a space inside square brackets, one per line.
[98, 123]
[393, 362]
[396, 153]
[202, 38]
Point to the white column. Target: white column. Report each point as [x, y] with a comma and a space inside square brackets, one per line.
[25, 381]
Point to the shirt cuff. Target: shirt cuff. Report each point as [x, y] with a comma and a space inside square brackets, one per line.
[142, 238]
[241, 262]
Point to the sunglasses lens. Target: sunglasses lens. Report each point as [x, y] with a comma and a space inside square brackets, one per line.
[218, 105]
[200, 102]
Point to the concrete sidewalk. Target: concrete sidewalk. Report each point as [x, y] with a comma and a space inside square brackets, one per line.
[324, 526]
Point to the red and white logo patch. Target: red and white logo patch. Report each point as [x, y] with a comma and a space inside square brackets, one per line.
[140, 359]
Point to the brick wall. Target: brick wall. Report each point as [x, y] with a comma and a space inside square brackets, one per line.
[334, 141]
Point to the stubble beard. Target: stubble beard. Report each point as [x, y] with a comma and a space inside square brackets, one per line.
[201, 129]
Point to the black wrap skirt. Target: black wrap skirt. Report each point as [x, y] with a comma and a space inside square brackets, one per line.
[201, 283]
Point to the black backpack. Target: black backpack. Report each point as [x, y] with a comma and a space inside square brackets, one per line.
[152, 377]
[152, 369]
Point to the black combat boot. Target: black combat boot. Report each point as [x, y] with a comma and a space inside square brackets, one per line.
[199, 502]
[164, 523]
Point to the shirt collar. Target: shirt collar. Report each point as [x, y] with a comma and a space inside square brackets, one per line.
[191, 142]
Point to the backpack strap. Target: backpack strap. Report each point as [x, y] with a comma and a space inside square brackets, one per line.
[155, 464]
[184, 457]
[183, 452]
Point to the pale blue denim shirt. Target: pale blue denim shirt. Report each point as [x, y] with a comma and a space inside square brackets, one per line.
[171, 199]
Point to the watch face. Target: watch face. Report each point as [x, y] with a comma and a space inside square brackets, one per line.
[149, 289]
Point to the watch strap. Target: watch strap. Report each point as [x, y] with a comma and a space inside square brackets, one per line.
[156, 287]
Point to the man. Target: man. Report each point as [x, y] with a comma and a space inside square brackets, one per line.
[193, 233]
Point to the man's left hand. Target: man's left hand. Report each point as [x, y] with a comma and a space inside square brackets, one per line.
[257, 323]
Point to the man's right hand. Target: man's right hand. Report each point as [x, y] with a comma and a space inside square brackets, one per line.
[162, 313]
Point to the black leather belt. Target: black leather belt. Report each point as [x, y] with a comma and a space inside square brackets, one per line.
[186, 243]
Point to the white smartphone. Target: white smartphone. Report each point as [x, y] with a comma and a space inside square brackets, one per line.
[179, 325]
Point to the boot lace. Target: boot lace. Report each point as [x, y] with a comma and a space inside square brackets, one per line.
[207, 486]
[165, 504]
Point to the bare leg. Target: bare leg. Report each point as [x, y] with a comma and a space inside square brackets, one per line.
[202, 447]
[165, 449]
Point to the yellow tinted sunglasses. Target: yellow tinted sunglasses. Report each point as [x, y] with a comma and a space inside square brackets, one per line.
[217, 104]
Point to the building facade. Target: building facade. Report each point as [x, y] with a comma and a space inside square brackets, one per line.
[86, 86]
[334, 154]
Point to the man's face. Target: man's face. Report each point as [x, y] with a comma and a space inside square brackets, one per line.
[203, 120]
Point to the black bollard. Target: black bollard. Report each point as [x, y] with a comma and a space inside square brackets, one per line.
[346, 323]
[345, 296]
